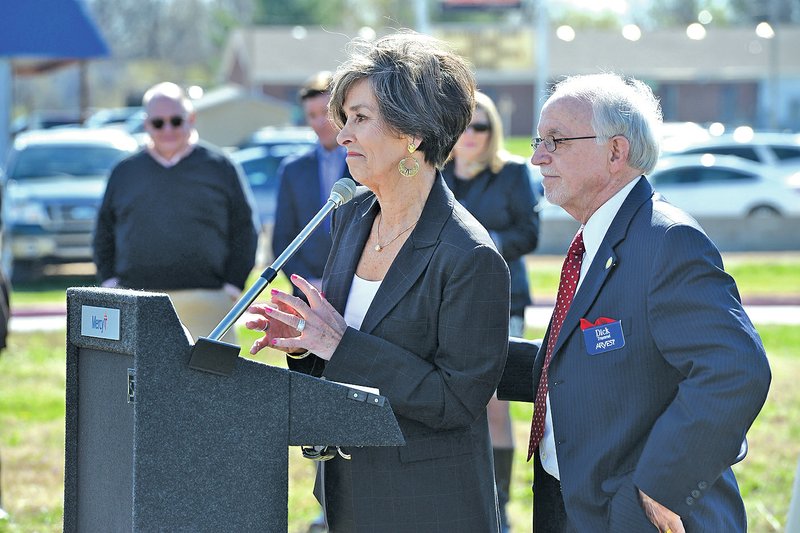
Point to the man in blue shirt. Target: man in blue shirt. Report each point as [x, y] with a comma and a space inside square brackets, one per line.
[306, 182]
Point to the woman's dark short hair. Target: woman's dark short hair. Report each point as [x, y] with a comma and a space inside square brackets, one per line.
[422, 88]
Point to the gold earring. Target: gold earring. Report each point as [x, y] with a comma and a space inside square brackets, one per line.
[409, 168]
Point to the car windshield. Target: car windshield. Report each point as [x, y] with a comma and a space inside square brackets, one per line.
[261, 163]
[36, 162]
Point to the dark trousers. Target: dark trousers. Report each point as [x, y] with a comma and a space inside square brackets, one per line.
[549, 515]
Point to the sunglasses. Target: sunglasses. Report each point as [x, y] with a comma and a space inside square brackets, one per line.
[479, 127]
[158, 122]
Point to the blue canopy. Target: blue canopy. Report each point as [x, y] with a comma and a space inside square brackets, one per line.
[48, 29]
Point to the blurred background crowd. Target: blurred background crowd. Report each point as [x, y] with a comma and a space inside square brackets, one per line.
[72, 75]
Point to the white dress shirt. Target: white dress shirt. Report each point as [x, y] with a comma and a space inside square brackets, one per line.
[362, 292]
[594, 231]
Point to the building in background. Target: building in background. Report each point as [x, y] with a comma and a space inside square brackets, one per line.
[731, 75]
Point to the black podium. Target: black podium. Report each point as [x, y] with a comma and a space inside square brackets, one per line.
[153, 445]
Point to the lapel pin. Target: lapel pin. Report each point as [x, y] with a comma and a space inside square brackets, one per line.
[609, 262]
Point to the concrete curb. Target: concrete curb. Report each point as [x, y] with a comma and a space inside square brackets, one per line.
[38, 311]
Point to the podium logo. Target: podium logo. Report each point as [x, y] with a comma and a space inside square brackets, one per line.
[100, 322]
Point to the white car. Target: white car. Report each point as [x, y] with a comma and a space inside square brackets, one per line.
[774, 149]
[707, 185]
[679, 136]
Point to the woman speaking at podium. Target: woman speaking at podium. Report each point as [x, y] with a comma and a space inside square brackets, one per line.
[415, 299]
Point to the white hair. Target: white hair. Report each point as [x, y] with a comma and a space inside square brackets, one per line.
[620, 106]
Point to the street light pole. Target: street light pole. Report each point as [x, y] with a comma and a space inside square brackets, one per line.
[766, 30]
[541, 48]
[774, 79]
[421, 16]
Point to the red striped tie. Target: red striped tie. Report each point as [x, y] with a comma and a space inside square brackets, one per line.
[570, 274]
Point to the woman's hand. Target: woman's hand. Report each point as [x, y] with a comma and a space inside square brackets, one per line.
[292, 325]
[272, 329]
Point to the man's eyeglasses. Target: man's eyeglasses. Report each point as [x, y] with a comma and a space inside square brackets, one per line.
[550, 142]
[176, 121]
[479, 127]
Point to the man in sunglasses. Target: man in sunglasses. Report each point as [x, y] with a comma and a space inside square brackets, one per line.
[177, 217]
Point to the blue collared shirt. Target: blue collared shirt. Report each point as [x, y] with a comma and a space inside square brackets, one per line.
[331, 168]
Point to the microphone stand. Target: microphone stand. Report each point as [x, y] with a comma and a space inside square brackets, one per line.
[210, 354]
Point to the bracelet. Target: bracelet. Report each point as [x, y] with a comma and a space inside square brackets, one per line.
[299, 355]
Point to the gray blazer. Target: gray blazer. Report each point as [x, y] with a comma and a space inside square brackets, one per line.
[434, 342]
[667, 411]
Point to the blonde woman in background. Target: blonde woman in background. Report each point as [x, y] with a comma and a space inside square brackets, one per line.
[496, 188]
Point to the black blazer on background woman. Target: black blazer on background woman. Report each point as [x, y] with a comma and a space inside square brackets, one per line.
[505, 204]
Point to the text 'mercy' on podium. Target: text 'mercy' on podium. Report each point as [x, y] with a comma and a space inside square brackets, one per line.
[154, 445]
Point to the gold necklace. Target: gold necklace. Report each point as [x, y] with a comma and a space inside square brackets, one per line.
[379, 247]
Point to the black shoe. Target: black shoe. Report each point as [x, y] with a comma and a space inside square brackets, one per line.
[318, 525]
[317, 528]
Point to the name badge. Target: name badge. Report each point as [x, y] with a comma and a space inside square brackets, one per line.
[604, 335]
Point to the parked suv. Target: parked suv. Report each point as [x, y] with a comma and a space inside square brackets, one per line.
[54, 183]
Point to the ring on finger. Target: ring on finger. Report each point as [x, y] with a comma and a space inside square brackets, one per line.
[301, 325]
[266, 326]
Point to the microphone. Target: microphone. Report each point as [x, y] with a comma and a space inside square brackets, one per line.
[341, 193]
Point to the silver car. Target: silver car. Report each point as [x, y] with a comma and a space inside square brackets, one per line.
[54, 183]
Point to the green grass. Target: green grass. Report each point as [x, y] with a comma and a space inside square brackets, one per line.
[765, 274]
[48, 291]
[520, 146]
[32, 407]
[32, 374]
[51, 291]
[767, 473]
[758, 275]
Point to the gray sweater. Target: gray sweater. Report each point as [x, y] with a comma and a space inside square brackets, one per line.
[189, 226]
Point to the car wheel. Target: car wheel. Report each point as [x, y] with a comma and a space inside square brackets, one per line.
[26, 272]
[764, 212]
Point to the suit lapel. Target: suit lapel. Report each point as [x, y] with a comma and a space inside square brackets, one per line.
[604, 260]
[414, 256]
[345, 260]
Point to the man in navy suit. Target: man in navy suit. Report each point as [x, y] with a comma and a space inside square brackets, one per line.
[656, 373]
[306, 182]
